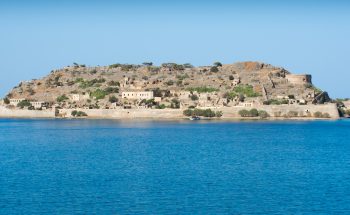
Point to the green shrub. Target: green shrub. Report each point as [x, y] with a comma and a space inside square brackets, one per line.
[188, 112]
[24, 103]
[113, 99]
[116, 65]
[169, 83]
[99, 94]
[173, 66]
[182, 77]
[246, 90]
[230, 95]
[205, 113]
[157, 92]
[113, 83]
[202, 89]
[244, 113]
[162, 106]
[78, 113]
[6, 101]
[89, 83]
[188, 65]
[175, 104]
[110, 90]
[319, 114]
[214, 69]
[127, 67]
[194, 97]
[92, 72]
[218, 114]
[326, 115]
[263, 114]
[62, 98]
[253, 113]
[292, 114]
[276, 102]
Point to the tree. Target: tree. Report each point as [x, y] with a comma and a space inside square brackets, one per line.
[147, 63]
[157, 92]
[113, 99]
[254, 112]
[194, 97]
[217, 64]
[6, 101]
[263, 114]
[175, 104]
[24, 103]
[188, 65]
[188, 112]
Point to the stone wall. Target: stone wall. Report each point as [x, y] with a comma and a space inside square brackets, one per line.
[15, 113]
[127, 113]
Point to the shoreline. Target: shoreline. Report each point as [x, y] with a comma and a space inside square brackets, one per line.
[226, 119]
[303, 113]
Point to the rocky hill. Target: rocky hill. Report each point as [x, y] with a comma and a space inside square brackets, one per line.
[172, 85]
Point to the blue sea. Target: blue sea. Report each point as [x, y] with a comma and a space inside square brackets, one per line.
[174, 167]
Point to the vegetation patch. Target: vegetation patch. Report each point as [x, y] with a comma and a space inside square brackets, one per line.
[24, 103]
[62, 98]
[246, 90]
[321, 115]
[98, 94]
[200, 112]
[89, 83]
[202, 89]
[276, 102]
[76, 113]
[253, 113]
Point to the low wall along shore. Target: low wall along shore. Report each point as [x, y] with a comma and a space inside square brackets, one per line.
[275, 111]
[16, 113]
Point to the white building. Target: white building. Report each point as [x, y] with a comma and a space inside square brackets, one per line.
[138, 95]
[78, 97]
[38, 105]
[245, 104]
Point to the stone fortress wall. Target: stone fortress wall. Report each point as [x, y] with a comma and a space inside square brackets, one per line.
[228, 112]
[275, 111]
[18, 113]
[299, 79]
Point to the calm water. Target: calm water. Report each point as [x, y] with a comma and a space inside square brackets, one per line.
[114, 167]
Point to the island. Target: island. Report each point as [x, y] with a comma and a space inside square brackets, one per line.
[243, 90]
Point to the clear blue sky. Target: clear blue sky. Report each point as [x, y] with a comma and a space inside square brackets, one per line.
[302, 36]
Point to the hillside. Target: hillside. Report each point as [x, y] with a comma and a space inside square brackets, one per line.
[171, 86]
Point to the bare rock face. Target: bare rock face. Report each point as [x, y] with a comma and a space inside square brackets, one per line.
[322, 98]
